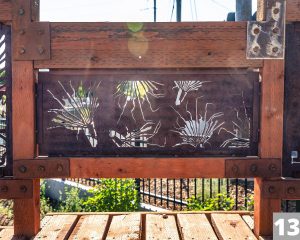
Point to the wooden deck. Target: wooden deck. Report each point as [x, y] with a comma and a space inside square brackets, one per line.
[145, 226]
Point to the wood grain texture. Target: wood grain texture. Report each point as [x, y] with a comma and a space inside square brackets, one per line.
[147, 167]
[271, 140]
[5, 10]
[125, 227]
[59, 227]
[293, 10]
[156, 45]
[195, 226]
[90, 227]
[159, 227]
[249, 220]
[231, 226]
[26, 212]
[8, 234]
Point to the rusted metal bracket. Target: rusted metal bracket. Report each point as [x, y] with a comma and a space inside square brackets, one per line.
[15, 189]
[266, 40]
[31, 40]
[244, 168]
[42, 168]
[288, 189]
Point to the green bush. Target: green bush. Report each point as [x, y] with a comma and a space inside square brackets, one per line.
[220, 202]
[113, 195]
[45, 202]
[72, 202]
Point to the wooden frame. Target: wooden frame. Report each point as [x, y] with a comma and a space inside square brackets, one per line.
[210, 45]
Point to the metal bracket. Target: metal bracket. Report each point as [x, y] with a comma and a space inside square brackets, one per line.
[42, 168]
[31, 40]
[266, 40]
[15, 189]
[247, 168]
[281, 189]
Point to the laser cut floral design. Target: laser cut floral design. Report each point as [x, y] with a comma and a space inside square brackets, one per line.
[184, 87]
[137, 138]
[197, 130]
[77, 111]
[240, 130]
[136, 93]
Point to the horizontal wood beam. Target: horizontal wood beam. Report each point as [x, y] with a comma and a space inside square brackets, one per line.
[293, 10]
[149, 45]
[287, 189]
[5, 10]
[146, 167]
[16, 189]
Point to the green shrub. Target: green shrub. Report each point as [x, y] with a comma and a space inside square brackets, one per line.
[220, 202]
[113, 195]
[72, 202]
[45, 202]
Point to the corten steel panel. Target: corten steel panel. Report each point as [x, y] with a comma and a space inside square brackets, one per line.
[148, 113]
[5, 101]
[292, 102]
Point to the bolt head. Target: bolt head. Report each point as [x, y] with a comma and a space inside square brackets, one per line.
[165, 216]
[41, 168]
[276, 10]
[22, 32]
[272, 189]
[22, 169]
[253, 168]
[272, 167]
[23, 189]
[256, 31]
[291, 190]
[275, 49]
[235, 169]
[256, 49]
[60, 168]
[275, 30]
[41, 50]
[21, 11]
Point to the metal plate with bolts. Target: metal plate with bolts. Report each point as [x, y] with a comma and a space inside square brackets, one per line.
[15, 189]
[266, 40]
[41, 168]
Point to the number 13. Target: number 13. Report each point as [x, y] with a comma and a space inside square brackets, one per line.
[293, 225]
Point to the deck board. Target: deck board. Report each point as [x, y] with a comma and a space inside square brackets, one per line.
[195, 226]
[161, 227]
[231, 226]
[249, 221]
[8, 234]
[124, 227]
[58, 227]
[90, 227]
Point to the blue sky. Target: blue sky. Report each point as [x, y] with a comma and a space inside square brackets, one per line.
[134, 10]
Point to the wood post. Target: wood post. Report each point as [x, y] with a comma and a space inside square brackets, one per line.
[26, 211]
[270, 140]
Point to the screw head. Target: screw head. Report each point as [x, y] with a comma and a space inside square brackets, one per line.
[22, 169]
[253, 168]
[256, 49]
[235, 168]
[60, 168]
[41, 50]
[4, 189]
[21, 11]
[275, 30]
[276, 10]
[22, 51]
[165, 216]
[23, 189]
[256, 31]
[22, 32]
[291, 190]
[272, 167]
[272, 189]
[275, 49]
[41, 168]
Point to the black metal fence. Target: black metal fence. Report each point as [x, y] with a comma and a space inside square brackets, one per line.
[173, 194]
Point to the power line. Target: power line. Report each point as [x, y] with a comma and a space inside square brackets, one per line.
[196, 14]
[172, 10]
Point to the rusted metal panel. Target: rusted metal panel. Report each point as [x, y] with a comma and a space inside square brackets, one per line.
[266, 40]
[291, 162]
[42, 168]
[31, 40]
[15, 189]
[148, 113]
[247, 168]
[5, 101]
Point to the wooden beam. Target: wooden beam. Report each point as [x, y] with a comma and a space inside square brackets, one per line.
[5, 10]
[15, 189]
[156, 45]
[288, 189]
[293, 10]
[26, 211]
[145, 167]
[270, 140]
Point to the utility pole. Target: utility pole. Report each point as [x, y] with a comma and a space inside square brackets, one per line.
[154, 8]
[178, 10]
[243, 10]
